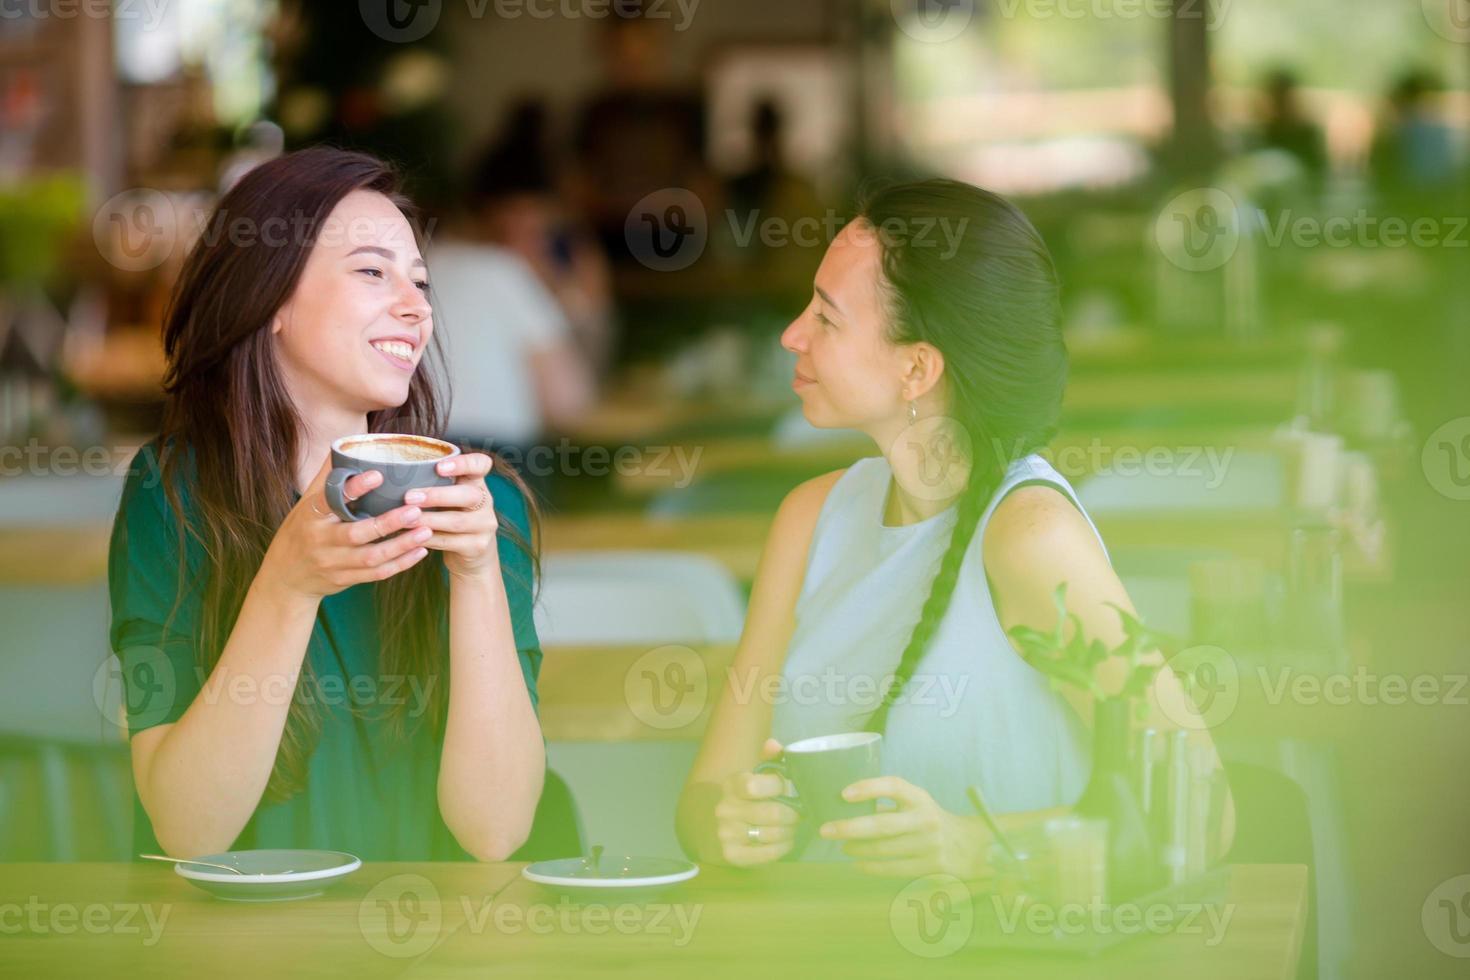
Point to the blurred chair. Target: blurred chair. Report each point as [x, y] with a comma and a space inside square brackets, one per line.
[65, 789]
[556, 830]
[1248, 481]
[607, 598]
[1272, 826]
[64, 801]
[627, 791]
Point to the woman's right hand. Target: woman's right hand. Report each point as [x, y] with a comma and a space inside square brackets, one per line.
[315, 553]
[749, 801]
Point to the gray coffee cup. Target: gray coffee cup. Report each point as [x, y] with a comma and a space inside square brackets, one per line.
[407, 463]
[821, 768]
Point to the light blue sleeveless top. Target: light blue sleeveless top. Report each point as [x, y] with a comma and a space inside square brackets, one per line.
[975, 713]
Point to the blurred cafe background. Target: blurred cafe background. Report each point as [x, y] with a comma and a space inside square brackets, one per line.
[1259, 213]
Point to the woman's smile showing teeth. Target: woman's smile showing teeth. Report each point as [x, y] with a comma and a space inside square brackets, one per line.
[396, 352]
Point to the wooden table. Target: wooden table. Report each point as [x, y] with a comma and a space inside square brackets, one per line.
[736, 540]
[447, 920]
[1135, 350]
[54, 556]
[146, 921]
[1176, 388]
[1076, 453]
[639, 410]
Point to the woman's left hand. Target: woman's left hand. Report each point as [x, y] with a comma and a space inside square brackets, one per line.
[465, 528]
[917, 838]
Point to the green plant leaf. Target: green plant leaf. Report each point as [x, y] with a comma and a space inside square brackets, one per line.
[1059, 599]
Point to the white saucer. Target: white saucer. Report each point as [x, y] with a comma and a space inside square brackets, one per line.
[270, 875]
[613, 874]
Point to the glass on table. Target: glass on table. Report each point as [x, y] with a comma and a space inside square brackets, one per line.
[1060, 861]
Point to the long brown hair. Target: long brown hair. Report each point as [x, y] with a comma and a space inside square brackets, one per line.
[228, 413]
[992, 308]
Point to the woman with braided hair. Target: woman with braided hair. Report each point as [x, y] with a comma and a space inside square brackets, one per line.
[886, 591]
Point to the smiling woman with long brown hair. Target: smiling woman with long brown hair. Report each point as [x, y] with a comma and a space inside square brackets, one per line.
[295, 680]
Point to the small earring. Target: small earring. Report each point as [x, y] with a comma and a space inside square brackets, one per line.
[913, 412]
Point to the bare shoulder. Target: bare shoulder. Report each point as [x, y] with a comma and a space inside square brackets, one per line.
[803, 505]
[1034, 533]
[780, 574]
[791, 531]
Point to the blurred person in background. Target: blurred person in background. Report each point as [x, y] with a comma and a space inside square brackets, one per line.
[1286, 127]
[513, 362]
[771, 188]
[516, 188]
[918, 563]
[240, 601]
[645, 133]
[1413, 153]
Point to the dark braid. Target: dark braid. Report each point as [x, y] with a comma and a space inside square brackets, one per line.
[990, 306]
[981, 484]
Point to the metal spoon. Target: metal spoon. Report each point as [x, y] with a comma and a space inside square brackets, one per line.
[202, 864]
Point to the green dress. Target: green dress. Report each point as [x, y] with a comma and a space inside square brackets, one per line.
[367, 790]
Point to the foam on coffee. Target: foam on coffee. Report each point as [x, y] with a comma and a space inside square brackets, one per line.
[395, 449]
